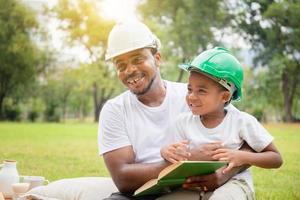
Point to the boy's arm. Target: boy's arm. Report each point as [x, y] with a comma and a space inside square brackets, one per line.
[128, 175]
[269, 157]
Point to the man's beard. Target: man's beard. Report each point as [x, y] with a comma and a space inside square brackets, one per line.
[146, 89]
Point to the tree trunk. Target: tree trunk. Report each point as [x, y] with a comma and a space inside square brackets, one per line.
[64, 108]
[97, 111]
[180, 76]
[100, 101]
[1, 106]
[287, 98]
[95, 98]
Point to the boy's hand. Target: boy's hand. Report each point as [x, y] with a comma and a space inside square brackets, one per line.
[176, 152]
[205, 151]
[234, 157]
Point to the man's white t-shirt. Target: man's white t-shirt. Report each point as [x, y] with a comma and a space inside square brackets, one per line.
[125, 121]
[236, 128]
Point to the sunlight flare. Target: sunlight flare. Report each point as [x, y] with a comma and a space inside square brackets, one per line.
[119, 10]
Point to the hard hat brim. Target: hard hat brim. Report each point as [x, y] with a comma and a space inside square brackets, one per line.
[109, 57]
[185, 66]
[189, 68]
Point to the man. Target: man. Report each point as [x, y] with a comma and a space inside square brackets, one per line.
[134, 125]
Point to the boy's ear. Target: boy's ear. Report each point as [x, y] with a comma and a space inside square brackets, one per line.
[226, 96]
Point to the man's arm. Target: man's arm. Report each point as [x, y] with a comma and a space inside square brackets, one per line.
[127, 174]
[212, 181]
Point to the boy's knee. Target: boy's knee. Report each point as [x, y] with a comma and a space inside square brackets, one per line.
[224, 197]
[233, 190]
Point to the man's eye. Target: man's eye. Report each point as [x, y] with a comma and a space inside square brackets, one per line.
[189, 90]
[138, 60]
[121, 67]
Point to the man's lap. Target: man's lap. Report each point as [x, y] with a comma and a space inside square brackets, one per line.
[233, 189]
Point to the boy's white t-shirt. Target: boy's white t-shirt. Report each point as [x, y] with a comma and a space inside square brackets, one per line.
[236, 128]
[125, 121]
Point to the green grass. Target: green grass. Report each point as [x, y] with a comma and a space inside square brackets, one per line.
[53, 150]
[59, 151]
[282, 183]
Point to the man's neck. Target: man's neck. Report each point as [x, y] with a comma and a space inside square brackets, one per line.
[155, 96]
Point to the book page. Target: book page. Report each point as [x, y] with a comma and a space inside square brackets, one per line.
[147, 185]
[168, 169]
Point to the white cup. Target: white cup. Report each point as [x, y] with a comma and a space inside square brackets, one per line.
[20, 188]
[34, 181]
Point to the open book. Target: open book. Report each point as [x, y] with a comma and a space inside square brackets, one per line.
[174, 176]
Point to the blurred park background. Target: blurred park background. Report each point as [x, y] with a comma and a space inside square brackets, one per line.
[54, 81]
[52, 52]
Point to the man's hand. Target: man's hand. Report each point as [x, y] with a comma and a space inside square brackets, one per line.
[176, 152]
[205, 152]
[207, 182]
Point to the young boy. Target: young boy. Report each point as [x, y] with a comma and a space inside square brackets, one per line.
[215, 79]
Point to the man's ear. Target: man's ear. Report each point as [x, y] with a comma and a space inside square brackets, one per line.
[157, 58]
[226, 96]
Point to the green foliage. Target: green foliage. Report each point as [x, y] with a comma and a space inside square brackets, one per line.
[51, 96]
[67, 91]
[185, 28]
[52, 113]
[85, 26]
[19, 57]
[12, 110]
[260, 94]
[35, 108]
[33, 115]
[78, 99]
[273, 29]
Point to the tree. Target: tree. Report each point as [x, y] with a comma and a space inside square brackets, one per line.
[19, 56]
[257, 94]
[273, 29]
[62, 83]
[81, 19]
[185, 27]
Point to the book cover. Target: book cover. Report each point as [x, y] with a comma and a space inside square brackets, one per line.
[174, 176]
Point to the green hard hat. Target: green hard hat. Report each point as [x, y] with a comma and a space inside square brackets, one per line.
[220, 65]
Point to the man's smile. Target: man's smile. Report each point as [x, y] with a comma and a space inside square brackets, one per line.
[135, 80]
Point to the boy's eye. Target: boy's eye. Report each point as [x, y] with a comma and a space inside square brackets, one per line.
[201, 91]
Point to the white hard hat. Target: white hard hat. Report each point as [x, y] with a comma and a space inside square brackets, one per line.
[129, 36]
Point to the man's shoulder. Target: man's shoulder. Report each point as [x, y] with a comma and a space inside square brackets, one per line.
[118, 101]
[176, 88]
[176, 84]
